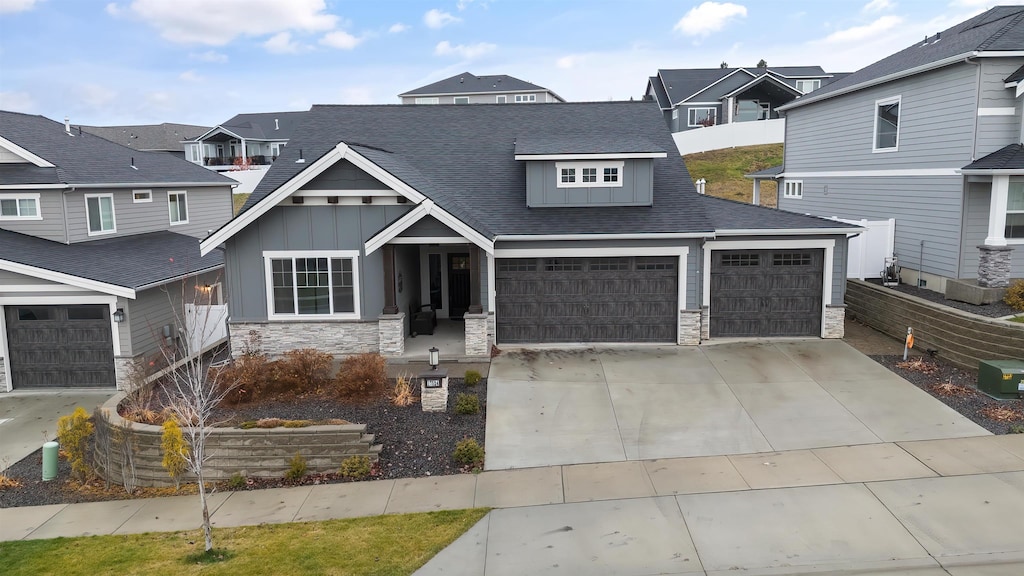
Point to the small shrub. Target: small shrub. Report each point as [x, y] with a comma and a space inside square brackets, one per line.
[472, 378]
[1002, 413]
[1014, 297]
[355, 467]
[269, 422]
[469, 453]
[949, 389]
[362, 378]
[467, 404]
[237, 481]
[172, 443]
[247, 425]
[297, 423]
[336, 422]
[5, 480]
[296, 467]
[918, 365]
[300, 371]
[1016, 428]
[403, 394]
[73, 432]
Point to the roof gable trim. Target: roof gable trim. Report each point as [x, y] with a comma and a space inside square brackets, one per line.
[68, 279]
[27, 155]
[704, 89]
[759, 79]
[427, 208]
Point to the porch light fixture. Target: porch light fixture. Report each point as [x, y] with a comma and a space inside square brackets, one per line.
[119, 315]
[434, 357]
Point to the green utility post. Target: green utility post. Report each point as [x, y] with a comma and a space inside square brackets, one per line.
[50, 450]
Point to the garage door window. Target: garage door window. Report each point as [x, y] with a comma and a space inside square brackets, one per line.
[788, 259]
[608, 264]
[517, 265]
[644, 264]
[87, 313]
[563, 265]
[41, 313]
[741, 260]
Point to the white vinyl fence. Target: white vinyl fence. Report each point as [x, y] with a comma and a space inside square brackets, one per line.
[868, 251]
[207, 325]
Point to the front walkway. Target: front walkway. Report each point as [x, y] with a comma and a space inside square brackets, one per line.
[612, 404]
[887, 506]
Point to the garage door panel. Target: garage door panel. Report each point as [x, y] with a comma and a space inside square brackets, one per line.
[60, 346]
[736, 327]
[564, 287]
[564, 332]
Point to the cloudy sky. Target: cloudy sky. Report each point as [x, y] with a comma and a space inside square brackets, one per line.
[203, 61]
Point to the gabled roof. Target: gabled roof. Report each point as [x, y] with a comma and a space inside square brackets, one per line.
[762, 79]
[467, 83]
[997, 30]
[659, 92]
[120, 265]
[771, 172]
[731, 215]
[259, 126]
[81, 158]
[682, 84]
[165, 137]
[1006, 159]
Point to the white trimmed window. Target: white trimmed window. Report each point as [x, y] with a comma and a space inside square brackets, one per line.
[590, 174]
[19, 207]
[177, 205]
[502, 99]
[521, 98]
[428, 100]
[1015, 211]
[675, 113]
[99, 211]
[887, 125]
[701, 117]
[793, 189]
[805, 86]
[193, 151]
[140, 196]
[318, 283]
[462, 99]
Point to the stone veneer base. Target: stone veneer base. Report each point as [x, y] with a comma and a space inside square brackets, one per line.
[339, 338]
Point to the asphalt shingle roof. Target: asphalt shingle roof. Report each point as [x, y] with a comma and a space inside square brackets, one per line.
[610, 144]
[264, 125]
[128, 261]
[733, 215]
[767, 172]
[27, 174]
[82, 158]
[463, 158]
[467, 83]
[683, 83]
[1017, 76]
[1007, 158]
[659, 92]
[997, 29]
[165, 137]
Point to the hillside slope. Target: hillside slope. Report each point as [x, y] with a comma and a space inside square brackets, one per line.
[724, 169]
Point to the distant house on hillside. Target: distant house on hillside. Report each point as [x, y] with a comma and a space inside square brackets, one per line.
[466, 88]
[166, 137]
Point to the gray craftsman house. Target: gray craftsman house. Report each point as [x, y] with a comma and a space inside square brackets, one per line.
[466, 88]
[99, 244]
[930, 136]
[552, 223]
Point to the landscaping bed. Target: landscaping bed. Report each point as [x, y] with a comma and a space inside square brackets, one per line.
[993, 310]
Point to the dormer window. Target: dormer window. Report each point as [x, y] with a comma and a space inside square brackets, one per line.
[568, 175]
[611, 174]
[589, 174]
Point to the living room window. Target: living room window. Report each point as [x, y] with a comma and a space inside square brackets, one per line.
[177, 204]
[1015, 211]
[701, 117]
[793, 189]
[887, 125]
[590, 174]
[19, 207]
[321, 283]
[99, 210]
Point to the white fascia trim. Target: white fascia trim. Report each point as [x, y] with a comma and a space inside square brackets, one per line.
[380, 174]
[1000, 111]
[1006, 171]
[873, 173]
[609, 252]
[348, 193]
[1000, 54]
[620, 156]
[68, 279]
[214, 130]
[786, 231]
[33, 186]
[882, 80]
[655, 236]
[136, 185]
[429, 240]
[758, 79]
[25, 154]
[704, 89]
[427, 207]
[717, 103]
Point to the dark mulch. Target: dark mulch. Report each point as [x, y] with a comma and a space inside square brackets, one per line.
[970, 404]
[993, 310]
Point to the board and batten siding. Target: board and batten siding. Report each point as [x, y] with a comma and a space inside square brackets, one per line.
[637, 187]
[303, 228]
[976, 229]
[156, 307]
[51, 208]
[208, 209]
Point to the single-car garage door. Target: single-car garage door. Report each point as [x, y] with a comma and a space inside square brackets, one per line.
[631, 299]
[757, 293]
[60, 346]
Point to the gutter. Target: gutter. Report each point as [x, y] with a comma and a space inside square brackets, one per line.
[155, 185]
[655, 236]
[790, 231]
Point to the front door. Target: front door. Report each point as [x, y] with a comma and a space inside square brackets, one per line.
[458, 285]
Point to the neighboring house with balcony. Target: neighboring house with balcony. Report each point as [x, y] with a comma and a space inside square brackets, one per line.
[930, 136]
[167, 137]
[466, 88]
[696, 98]
[518, 224]
[99, 244]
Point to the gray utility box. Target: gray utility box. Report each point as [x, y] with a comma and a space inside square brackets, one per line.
[1001, 378]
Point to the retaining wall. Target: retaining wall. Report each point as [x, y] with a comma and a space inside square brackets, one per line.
[961, 338]
[256, 452]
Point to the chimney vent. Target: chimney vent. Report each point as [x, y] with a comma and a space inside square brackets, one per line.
[67, 125]
[276, 125]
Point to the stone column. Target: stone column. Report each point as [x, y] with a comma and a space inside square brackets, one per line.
[689, 328]
[391, 328]
[390, 303]
[705, 323]
[474, 281]
[477, 342]
[994, 266]
[835, 321]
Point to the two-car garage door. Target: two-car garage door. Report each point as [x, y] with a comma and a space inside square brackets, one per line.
[60, 346]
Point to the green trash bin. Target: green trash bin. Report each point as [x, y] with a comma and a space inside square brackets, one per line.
[1003, 379]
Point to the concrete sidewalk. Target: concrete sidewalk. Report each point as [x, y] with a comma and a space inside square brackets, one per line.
[932, 505]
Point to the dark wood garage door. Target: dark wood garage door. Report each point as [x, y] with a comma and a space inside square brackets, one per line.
[60, 346]
[766, 292]
[587, 299]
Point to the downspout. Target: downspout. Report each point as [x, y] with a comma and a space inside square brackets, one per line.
[964, 186]
[64, 209]
[977, 104]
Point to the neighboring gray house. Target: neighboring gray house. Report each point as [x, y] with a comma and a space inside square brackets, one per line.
[166, 137]
[252, 139]
[701, 97]
[516, 224]
[95, 241]
[466, 88]
[929, 136]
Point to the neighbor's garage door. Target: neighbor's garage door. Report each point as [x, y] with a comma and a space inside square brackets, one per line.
[586, 299]
[60, 346]
[766, 292]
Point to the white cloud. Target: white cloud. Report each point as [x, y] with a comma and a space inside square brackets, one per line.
[709, 17]
[341, 40]
[398, 27]
[355, 95]
[114, 10]
[570, 61]
[161, 100]
[218, 23]
[11, 6]
[282, 43]
[435, 19]
[95, 96]
[209, 56]
[878, 6]
[463, 4]
[190, 76]
[17, 101]
[465, 51]
[865, 32]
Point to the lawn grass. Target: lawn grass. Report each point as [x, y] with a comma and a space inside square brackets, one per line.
[724, 169]
[379, 545]
[1018, 319]
[238, 200]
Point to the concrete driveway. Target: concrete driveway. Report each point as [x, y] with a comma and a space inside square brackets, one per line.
[28, 419]
[547, 407]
